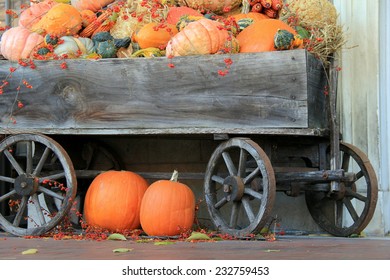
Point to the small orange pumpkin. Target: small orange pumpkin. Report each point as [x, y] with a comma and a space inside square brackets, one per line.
[168, 208]
[60, 20]
[259, 36]
[175, 13]
[251, 15]
[19, 43]
[155, 35]
[113, 200]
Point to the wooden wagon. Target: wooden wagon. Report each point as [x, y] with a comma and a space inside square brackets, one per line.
[272, 117]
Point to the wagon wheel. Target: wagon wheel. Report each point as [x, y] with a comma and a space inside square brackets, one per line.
[349, 210]
[239, 187]
[39, 171]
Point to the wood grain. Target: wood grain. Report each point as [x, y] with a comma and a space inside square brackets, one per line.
[263, 92]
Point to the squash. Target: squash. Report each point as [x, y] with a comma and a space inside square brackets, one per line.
[19, 43]
[106, 49]
[259, 36]
[34, 13]
[216, 6]
[155, 35]
[167, 208]
[93, 5]
[60, 20]
[285, 40]
[175, 13]
[113, 200]
[203, 36]
[74, 47]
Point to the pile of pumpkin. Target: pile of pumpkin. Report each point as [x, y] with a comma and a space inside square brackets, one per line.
[122, 200]
[133, 28]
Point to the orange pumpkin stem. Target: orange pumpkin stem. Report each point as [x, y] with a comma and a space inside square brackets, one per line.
[175, 175]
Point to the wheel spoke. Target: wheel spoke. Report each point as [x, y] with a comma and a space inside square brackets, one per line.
[19, 214]
[359, 175]
[7, 195]
[29, 157]
[217, 179]
[248, 209]
[234, 214]
[50, 193]
[251, 176]
[356, 195]
[13, 162]
[345, 161]
[52, 177]
[38, 208]
[229, 163]
[339, 214]
[242, 163]
[41, 162]
[220, 203]
[7, 179]
[351, 209]
[253, 193]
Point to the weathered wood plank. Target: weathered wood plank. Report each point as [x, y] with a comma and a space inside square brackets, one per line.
[262, 91]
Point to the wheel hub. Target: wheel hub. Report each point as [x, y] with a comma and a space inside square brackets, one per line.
[233, 188]
[26, 185]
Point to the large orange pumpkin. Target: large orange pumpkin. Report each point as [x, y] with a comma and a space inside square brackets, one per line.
[216, 6]
[168, 208]
[35, 12]
[113, 200]
[19, 43]
[60, 20]
[155, 35]
[93, 5]
[259, 36]
[203, 36]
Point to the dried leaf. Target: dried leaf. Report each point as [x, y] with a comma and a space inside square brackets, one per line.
[164, 243]
[198, 236]
[122, 250]
[30, 252]
[116, 236]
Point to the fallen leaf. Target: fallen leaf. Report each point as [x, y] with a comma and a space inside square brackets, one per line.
[30, 252]
[122, 250]
[164, 243]
[116, 236]
[198, 236]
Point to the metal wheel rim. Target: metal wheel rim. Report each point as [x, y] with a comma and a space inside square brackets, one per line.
[214, 182]
[319, 204]
[63, 193]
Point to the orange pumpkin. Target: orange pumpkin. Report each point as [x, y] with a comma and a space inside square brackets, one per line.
[93, 5]
[203, 36]
[175, 13]
[216, 6]
[168, 208]
[35, 12]
[60, 20]
[251, 15]
[113, 200]
[259, 36]
[155, 35]
[19, 43]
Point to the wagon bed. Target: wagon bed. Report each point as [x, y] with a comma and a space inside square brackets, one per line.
[279, 129]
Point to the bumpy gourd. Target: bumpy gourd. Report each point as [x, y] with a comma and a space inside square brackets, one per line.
[60, 20]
